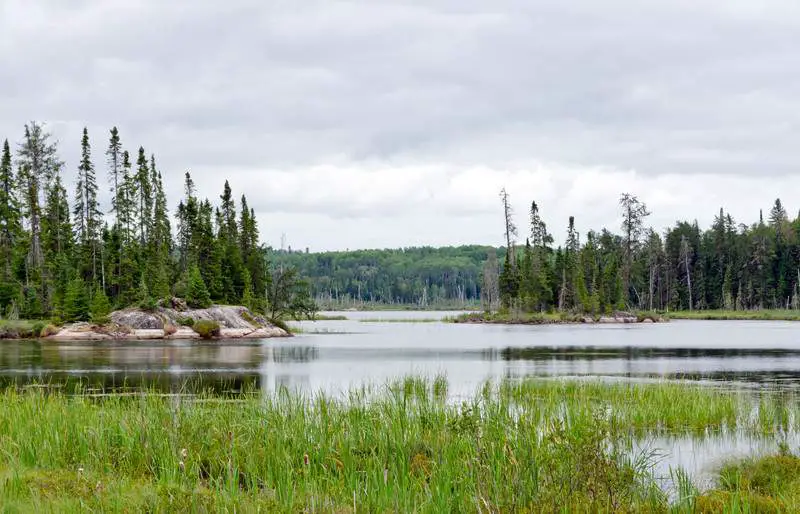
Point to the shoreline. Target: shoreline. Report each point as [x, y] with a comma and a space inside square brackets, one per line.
[557, 319]
[82, 333]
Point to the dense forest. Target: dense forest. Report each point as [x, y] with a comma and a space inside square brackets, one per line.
[426, 277]
[75, 260]
[727, 266]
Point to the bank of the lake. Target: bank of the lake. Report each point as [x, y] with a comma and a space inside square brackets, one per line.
[400, 447]
[549, 318]
[133, 324]
[737, 315]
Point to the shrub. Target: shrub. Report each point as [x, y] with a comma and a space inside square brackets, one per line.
[206, 328]
[102, 320]
[281, 324]
[186, 322]
[48, 330]
[36, 329]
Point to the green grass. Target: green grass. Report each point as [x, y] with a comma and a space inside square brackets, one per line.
[765, 314]
[766, 484]
[531, 446]
[401, 320]
[522, 318]
[24, 328]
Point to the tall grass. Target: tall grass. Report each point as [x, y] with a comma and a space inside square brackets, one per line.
[535, 446]
[763, 314]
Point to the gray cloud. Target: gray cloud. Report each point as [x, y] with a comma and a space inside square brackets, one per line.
[251, 90]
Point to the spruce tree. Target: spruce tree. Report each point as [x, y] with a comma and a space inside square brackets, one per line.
[76, 301]
[87, 214]
[100, 306]
[10, 225]
[197, 293]
[115, 172]
[143, 195]
[38, 164]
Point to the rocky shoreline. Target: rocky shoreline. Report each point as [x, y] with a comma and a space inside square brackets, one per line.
[233, 322]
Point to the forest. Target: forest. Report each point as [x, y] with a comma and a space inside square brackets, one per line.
[726, 266]
[424, 277]
[71, 261]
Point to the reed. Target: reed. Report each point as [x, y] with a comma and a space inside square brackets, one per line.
[535, 446]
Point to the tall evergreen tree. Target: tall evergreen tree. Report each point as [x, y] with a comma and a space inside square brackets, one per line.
[10, 224]
[87, 215]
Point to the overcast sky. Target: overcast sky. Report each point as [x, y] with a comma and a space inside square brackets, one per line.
[385, 124]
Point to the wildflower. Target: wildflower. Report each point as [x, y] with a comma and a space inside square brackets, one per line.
[305, 459]
[80, 470]
[182, 466]
[184, 453]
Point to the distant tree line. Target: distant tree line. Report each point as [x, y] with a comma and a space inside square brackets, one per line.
[727, 266]
[76, 260]
[425, 276]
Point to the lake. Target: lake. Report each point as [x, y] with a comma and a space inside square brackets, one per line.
[335, 355]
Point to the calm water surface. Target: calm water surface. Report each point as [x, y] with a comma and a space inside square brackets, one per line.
[335, 355]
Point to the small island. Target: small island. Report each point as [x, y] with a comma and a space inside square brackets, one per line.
[215, 322]
[553, 318]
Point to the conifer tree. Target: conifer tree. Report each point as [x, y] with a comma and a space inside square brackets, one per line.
[87, 214]
[76, 301]
[100, 305]
[38, 164]
[10, 225]
[197, 294]
[143, 196]
[115, 172]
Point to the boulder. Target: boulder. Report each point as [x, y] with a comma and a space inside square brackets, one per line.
[138, 319]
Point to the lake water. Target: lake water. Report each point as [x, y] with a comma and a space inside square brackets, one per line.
[336, 355]
[333, 356]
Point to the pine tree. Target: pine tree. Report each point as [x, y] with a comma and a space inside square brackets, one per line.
[228, 235]
[115, 173]
[87, 214]
[197, 293]
[633, 214]
[10, 225]
[100, 306]
[38, 164]
[76, 301]
[143, 195]
[248, 299]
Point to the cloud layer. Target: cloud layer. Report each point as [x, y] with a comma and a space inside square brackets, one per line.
[356, 124]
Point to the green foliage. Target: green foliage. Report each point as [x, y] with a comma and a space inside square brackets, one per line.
[76, 301]
[206, 328]
[288, 296]
[145, 299]
[529, 446]
[197, 294]
[100, 306]
[186, 322]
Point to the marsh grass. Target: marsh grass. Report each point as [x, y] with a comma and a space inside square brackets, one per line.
[764, 315]
[531, 446]
[401, 320]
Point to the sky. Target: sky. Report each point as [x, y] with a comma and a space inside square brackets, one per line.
[377, 124]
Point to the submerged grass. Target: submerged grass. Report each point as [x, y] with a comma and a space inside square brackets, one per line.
[531, 446]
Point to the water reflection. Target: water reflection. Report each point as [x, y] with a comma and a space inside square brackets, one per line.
[350, 353]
